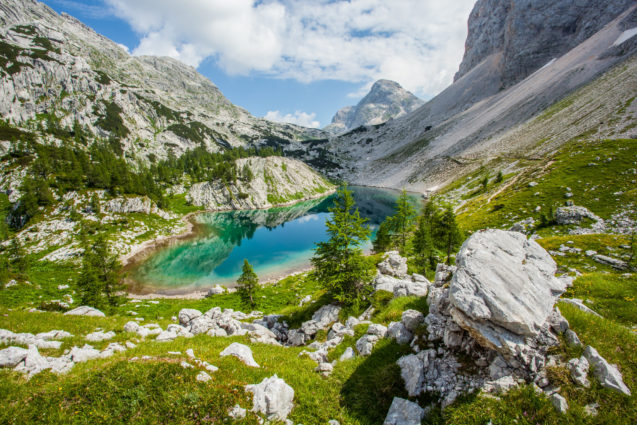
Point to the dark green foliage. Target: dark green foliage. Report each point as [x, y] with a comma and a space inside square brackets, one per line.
[18, 260]
[339, 262]
[24, 29]
[248, 284]
[35, 194]
[547, 219]
[8, 132]
[447, 232]
[485, 183]
[94, 205]
[99, 280]
[112, 121]
[5, 207]
[382, 242]
[499, 177]
[402, 220]
[423, 243]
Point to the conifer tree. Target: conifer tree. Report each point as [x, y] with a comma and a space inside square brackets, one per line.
[402, 221]
[247, 284]
[383, 238]
[423, 241]
[99, 281]
[450, 233]
[19, 260]
[339, 262]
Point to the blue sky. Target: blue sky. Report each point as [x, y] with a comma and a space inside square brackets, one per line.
[292, 60]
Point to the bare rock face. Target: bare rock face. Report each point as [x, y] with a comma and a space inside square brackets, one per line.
[608, 374]
[404, 412]
[529, 33]
[275, 181]
[386, 100]
[504, 289]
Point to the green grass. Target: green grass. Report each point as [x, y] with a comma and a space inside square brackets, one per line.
[603, 187]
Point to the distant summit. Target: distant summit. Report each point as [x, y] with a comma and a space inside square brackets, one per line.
[386, 100]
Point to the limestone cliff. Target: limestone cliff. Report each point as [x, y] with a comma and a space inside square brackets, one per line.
[275, 181]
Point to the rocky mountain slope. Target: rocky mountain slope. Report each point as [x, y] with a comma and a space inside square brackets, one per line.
[57, 72]
[386, 100]
[275, 181]
[475, 118]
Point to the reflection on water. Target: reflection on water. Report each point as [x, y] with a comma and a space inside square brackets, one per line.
[274, 241]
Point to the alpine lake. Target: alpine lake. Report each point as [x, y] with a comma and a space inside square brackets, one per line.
[277, 242]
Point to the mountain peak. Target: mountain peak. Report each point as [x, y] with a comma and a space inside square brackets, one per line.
[386, 100]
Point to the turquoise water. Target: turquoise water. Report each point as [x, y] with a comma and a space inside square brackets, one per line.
[275, 242]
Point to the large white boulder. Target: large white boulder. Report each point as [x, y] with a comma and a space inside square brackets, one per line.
[100, 336]
[85, 310]
[504, 288]
[398, 332]
[404, 412]
[272, 397]
[240, 351]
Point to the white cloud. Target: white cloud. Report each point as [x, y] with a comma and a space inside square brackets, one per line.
[299, 118]
[418, 43]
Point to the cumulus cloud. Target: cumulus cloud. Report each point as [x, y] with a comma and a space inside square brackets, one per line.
[418, 43]
[299, 118]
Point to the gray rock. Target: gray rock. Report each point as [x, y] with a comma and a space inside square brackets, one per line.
[393, 265]
[324, 369]
[574, 215]
[504, 289]
[404, 412]
[412, 319]
[237, 412]
[366, 343]
[240, 351]
[406, 288]
[378, 330]
[398, 332]
[203, 377]
[579, 371]
[187, 315]
[100, 336]
[10, 357]
[610, 261]
[572, 338]
[557, 322]
[347, 354]
[272, 397]
[33, 362]
[607, 374]
[443, 274]
[559, 402]
[83, 354]
[85, 311]
[296, 337]
[411, 370]
[580, 305]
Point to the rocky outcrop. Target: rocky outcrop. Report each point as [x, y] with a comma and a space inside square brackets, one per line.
[527, 34]
[608, 374]
[504, 289]
[84, 311]
[139, 204]
[275, 181]
[386, 100]
[273, 398]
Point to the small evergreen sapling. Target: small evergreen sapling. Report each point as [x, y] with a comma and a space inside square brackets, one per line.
[247, 285]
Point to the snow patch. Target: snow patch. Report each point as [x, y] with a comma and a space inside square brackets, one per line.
[626, 35]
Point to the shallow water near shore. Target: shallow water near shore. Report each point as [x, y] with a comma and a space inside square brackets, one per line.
[277, 242]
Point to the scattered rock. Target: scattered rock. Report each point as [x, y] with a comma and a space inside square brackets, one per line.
[83, 354]
[412, 319]
[85, 311]
[324, 369]
[398, 332]
[580, 305]
[579, 371]
[216, 290]
[559, 402]
[393, 265]
[203, 377]
[10, 357]
[610, 261]
[347, 354]
[272, 397]
[572, 338]
[237, 413]
[607, 374]
[240, 351]
[404, 412]
[100, 336]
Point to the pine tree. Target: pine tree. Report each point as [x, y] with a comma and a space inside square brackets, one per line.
[99, 280]
[95, 205]
[423, 242]
[451, 236]
[247, 284]
[402, 221]
[383, 238]
[499, 177]
[18, 258]
[339, 262]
